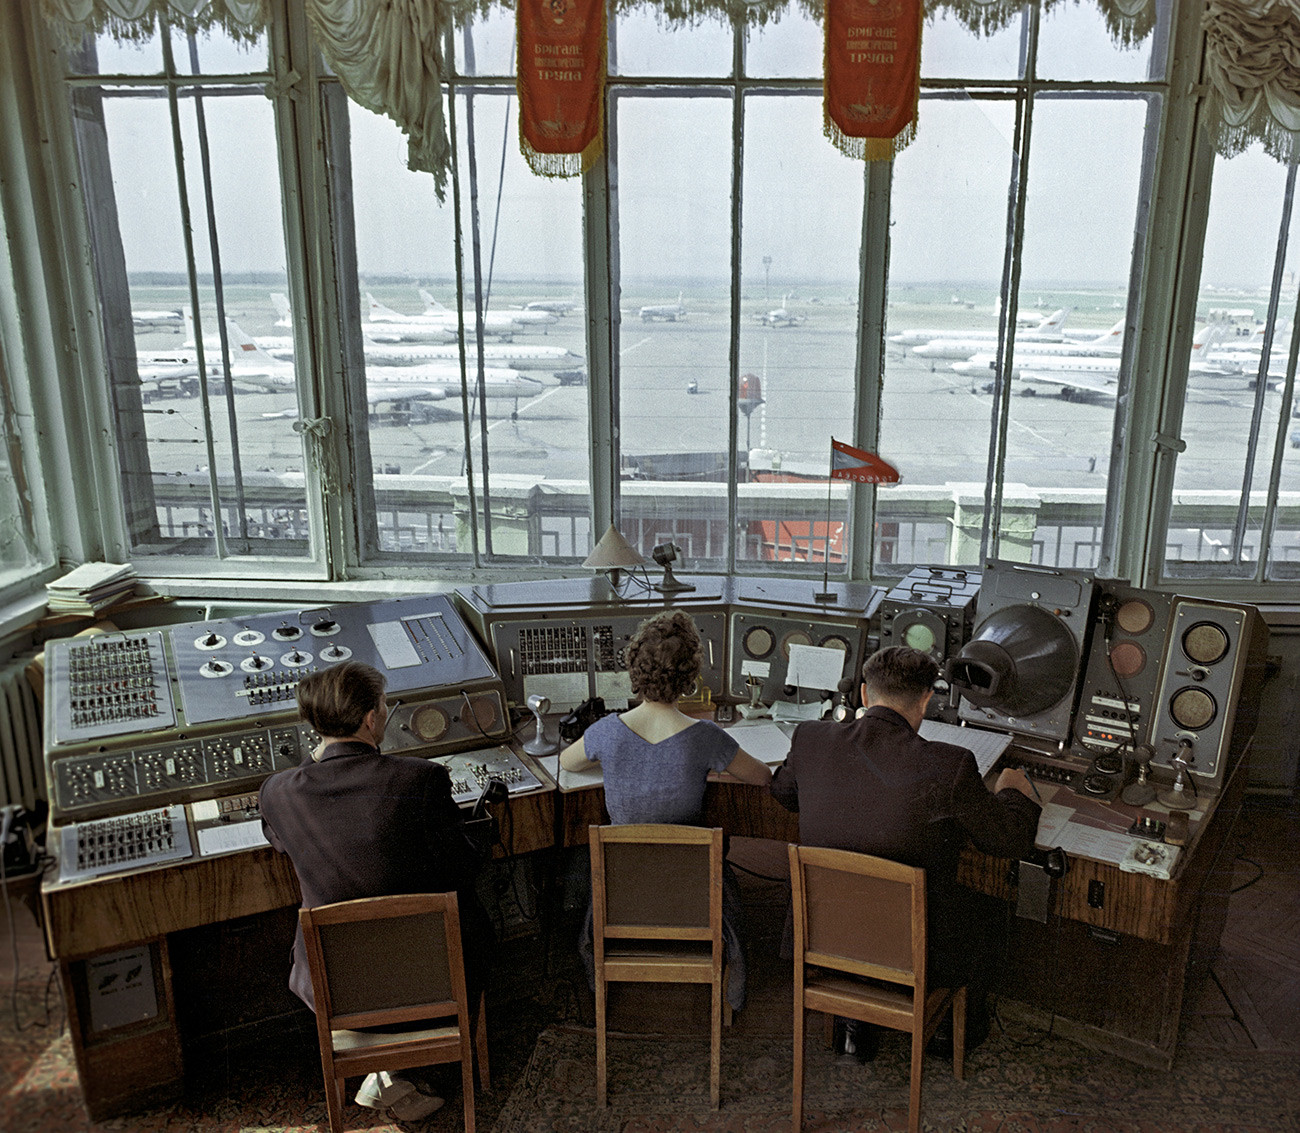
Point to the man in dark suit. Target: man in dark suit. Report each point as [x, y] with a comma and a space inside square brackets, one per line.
[358, 823]
[876, 787]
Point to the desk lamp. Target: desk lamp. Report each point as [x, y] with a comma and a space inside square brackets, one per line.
[612, 554]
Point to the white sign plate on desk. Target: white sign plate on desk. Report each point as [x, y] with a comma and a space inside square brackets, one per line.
[119, 988]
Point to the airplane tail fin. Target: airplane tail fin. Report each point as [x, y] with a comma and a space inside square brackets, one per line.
[377, 311]
[1054, 321]
[243, 347]
[281, 304]
[431, 305]
[1113, 337]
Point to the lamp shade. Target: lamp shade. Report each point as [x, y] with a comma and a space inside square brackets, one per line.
[613, 552]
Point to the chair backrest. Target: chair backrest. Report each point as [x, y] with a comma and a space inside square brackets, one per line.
[385, 960]
[859, 914]
[656, 881]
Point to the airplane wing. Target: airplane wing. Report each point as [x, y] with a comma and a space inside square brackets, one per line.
[1071, 380]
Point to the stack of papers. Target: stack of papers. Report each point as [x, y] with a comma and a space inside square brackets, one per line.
[90, 588]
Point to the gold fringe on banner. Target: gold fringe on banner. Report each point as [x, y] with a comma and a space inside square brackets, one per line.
[872, 82]
[560, 80]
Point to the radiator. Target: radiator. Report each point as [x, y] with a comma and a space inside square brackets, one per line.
[22, 768]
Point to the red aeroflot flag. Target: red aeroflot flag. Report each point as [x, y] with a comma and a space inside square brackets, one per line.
[849, 463]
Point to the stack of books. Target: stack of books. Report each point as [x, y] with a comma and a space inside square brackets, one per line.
[90, 588]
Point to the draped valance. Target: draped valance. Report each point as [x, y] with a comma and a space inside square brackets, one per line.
[388, 53]
[1252, 63]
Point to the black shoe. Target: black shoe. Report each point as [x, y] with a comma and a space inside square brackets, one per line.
[859, 1039]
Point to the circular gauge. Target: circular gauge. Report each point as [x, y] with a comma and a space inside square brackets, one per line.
[209, 641]
[335, 652]
[1193, 708]
[287, 633]
[794, 637]
[256, 663]
[835, 641]
[1135, 616]
[758, 642]
[326, 627]
[430, 723]
[481, 710]
[215, 668]
[247, 637]
[1205, 643]
[919, 636]
[295, 659]
[1128, 659]
[1107, 764]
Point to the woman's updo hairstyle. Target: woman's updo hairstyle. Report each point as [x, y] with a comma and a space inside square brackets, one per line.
[664, 657]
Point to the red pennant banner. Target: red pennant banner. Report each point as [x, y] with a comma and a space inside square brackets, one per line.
[849, 463]
[873, 75]
[561, 84]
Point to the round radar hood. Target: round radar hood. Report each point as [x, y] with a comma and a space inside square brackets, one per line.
[1021, 660]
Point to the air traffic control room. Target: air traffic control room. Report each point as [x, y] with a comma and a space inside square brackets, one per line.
[462, 339]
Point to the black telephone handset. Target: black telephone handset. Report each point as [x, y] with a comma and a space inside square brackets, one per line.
[481, 826]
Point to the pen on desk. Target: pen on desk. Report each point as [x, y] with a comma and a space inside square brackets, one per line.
[1033, 786]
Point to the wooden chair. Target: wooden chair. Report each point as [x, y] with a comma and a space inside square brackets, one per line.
[859, 952]
[657, 918]
[381, 961]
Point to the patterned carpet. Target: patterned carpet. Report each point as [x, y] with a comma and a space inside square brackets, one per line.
[660, 1085]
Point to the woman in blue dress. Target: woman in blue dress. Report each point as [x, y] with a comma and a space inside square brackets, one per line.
[656, 760]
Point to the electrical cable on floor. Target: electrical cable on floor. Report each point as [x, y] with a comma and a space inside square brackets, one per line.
[1259, 872]
[13, 952]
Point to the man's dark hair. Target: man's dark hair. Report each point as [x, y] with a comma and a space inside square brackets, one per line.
[664, 657]
[336, 700]
[899, 673]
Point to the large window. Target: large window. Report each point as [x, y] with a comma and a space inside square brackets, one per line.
[1235, 507]
[672, 342]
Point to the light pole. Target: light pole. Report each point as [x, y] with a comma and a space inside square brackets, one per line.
[767, 279]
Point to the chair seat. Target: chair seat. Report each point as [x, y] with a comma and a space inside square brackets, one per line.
[631, 963]
[345, 1041]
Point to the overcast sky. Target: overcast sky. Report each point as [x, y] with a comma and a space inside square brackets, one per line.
[802, 197]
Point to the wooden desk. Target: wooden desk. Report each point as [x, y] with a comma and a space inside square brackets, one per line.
[133, 1062]
[1121, 952]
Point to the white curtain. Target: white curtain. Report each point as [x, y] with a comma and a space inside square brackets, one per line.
[1252, 61]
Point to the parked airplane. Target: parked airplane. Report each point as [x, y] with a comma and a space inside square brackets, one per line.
[1049, 330]
[669, 312]
[1086, 376]
[552, 306]
[157, 320]
[254, 366]
[494, 322]
[782, 316]
[383, 324]
[962, 348]
[511, 355]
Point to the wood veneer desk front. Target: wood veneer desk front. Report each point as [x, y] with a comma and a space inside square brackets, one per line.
[1120, 951]
[129, 1048]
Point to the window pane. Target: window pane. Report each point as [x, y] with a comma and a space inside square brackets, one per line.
[530, 457]
[644, 43]
[489, 47]
[791, 47]
[19, 549]
[948, 230]
[950, 50]
[1076, 259]
[214, 52]
[674, 243]
[190, 467]
[1230, 425]
[798, 331]
[1074, 42]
